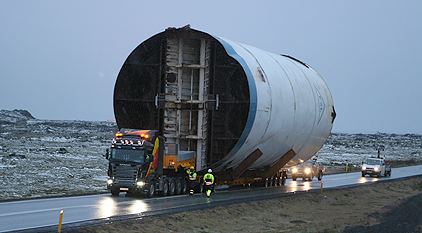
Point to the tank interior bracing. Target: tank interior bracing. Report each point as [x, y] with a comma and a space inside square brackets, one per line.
[182, 83]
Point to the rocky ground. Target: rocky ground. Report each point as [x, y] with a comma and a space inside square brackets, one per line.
[48, 158]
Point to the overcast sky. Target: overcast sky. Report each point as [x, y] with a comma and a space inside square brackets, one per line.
[59, 59]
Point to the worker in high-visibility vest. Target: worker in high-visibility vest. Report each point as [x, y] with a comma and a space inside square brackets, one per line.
[192, 179]
[209, 182]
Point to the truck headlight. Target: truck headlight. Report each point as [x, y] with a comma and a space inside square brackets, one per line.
[294, 170]
[363, 168]
[140, 183]
[109, 181]
[376, 169]
[307, 170]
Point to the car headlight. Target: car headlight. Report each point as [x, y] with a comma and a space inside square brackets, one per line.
[376, 168]
[294, 170]
[307, 170]
[140, 183]
[363, 168]
[110, 182]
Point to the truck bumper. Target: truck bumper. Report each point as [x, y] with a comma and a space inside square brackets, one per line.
[129, 188]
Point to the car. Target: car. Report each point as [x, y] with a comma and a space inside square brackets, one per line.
[308, 170]
[376, 167]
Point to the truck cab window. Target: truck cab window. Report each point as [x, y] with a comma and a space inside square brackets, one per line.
[127, 155]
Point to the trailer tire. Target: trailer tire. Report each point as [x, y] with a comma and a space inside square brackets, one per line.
[115, 192]
[184, 186]
[172, 187]
[179, 186]
[165, 191]
[151, 188]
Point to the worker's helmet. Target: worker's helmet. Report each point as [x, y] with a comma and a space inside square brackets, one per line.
[209, 170]
[191, 167]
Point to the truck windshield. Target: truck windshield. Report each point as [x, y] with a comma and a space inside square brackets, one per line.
[127, 155]
[373, 162]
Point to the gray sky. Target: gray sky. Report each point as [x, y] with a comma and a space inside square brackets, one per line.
[59, 59]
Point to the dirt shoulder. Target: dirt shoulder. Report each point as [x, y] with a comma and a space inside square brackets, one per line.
[388, 207]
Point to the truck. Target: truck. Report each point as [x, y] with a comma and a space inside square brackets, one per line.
[137, 165]
[376, 166]
[308, 170]
[243, 112]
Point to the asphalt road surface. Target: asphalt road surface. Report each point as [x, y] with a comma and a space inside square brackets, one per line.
[43, 214]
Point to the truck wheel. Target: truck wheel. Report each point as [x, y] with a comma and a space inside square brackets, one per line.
[310, 177]
[115, 192]
[363, 174]
[294, 178]
[151, 189]
[379, 174]
[165, 191]
[179, 184]
[172, 187]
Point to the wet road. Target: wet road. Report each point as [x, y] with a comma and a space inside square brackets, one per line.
[37, 213]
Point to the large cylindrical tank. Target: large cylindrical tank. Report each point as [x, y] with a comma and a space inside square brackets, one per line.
[223, 100]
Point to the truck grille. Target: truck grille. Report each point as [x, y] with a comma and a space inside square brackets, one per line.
[125, 175]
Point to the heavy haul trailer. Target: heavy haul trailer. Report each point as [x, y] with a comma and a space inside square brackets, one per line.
[245, 112]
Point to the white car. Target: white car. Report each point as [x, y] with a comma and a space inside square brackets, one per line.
[376, 167]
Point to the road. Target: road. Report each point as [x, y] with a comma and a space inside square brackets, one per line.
[43, 214]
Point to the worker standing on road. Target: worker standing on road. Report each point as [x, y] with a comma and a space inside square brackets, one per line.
[192, 179]
[209, 182]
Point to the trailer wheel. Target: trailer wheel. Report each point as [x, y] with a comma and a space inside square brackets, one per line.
[151, 188]
[184, 186]
[172, 187]
[266, 182]
[165, 191]
[179, 184]
[115, 192]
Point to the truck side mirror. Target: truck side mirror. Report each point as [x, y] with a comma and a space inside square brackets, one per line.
[107, 154]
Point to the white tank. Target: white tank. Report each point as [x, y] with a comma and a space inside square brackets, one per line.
[223, 100]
